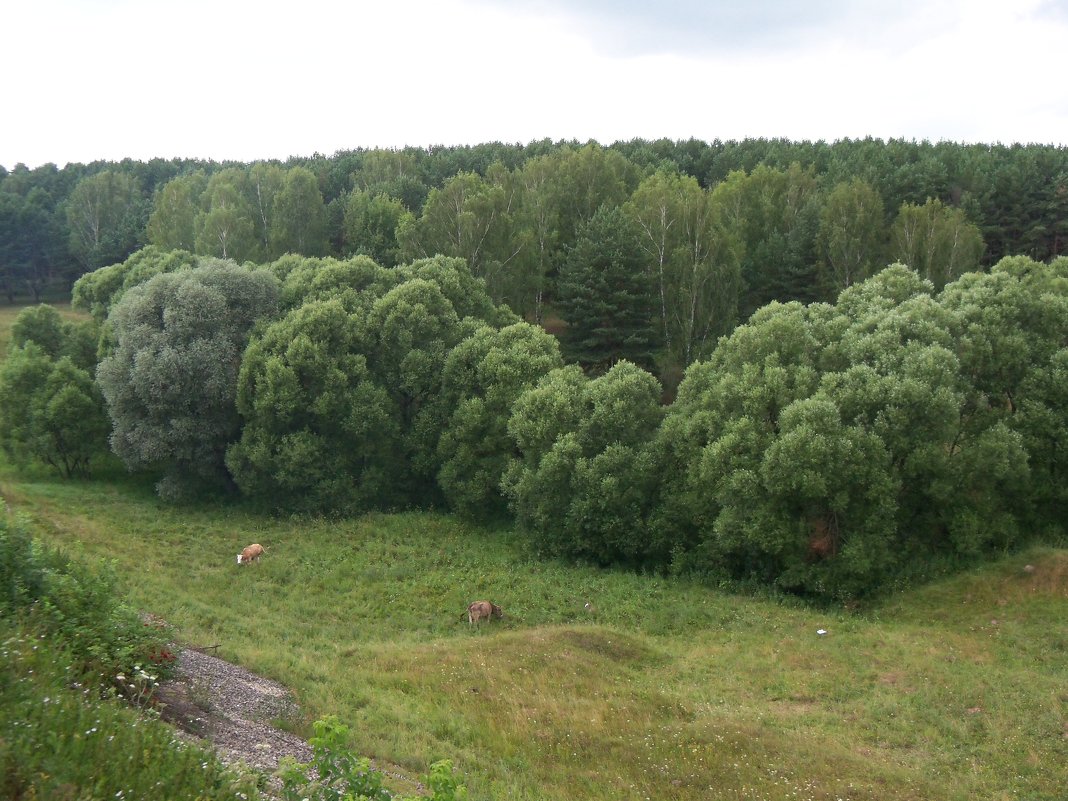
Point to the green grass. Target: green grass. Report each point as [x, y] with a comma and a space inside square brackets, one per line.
[63, 743]
[664, 689]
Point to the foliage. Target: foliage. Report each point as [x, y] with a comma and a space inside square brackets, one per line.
[319, 432]
[77, 606]
[585, 479]
[824, 448]
[851, 234]
[171, 382]
[32, 246]
[483, 376]
[342, 397]
[50, 410]
[693, 258]
[298, 223]
[370, 226]
[1010, 327]
[339, 775]
[936, 241]
[67, 639]
[773, 214]
[107, 216]
[173, 222]
[606, 297]
[62, 742]
[98, 292]
[56, 337]
[226, 224]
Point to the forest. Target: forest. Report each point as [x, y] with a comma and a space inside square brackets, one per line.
[802, 364]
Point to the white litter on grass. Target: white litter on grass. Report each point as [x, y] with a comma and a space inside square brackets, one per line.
[239, 558]
[821, 632]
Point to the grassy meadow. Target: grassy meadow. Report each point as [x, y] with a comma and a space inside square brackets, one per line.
[661, 689]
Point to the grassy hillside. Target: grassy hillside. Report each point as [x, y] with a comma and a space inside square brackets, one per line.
[662, 689]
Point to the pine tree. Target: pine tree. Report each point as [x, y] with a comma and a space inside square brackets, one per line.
[606, 297]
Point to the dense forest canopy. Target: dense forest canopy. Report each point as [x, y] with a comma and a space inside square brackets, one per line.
[514, 210]
[502, 330]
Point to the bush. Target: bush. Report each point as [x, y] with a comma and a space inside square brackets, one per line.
[336, 774]
[61, 741]
[79, 607]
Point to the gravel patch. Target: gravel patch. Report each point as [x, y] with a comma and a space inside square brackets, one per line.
[231, 708]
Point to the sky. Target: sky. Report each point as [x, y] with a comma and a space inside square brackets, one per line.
[82, 80]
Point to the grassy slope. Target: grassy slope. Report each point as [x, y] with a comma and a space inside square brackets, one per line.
[664, 690]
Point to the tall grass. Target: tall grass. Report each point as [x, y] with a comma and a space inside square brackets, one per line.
[61, 742]
[68, 648]
[660, 689]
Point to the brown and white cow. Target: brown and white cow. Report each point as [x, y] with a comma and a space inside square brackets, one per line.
[250, 554]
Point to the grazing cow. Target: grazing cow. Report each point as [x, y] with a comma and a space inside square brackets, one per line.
[250, 554]
[483, 610]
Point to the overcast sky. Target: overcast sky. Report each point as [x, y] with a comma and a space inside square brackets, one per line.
[249, 79]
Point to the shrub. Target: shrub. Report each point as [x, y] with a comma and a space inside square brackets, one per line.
[337, 774]
[78, 606]
[62, 741]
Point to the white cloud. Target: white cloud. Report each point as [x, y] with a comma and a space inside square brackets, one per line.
[246, 80]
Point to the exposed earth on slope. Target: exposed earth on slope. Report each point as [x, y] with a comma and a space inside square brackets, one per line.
[232, 708]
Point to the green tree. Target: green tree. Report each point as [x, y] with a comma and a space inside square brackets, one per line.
[394, 173]
[98, 291]
[584, 482]
[606, 297]
[482, 377]
[343, 397]
[692, 258]
[852, 234]
[171, 382]
[1008, 329]
[539, 225]
[774, 216]
[828, 449]
[935, 240]
[299, 216]
[319, 431]
[370, 226]
[55, 336]
[106, 215]
[472, 218]
[225, 226]
[51, 411]
[265, 183]
[28, 243]
[172, 224]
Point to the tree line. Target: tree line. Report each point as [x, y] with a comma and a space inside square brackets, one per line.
[824, 448]
[513, 211]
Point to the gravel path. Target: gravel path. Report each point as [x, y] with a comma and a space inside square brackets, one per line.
[218, 701]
